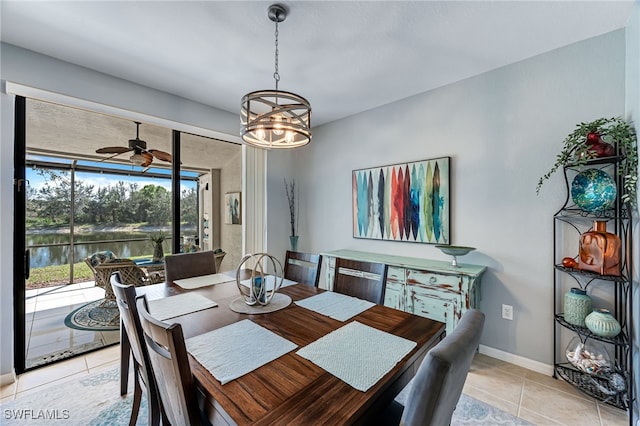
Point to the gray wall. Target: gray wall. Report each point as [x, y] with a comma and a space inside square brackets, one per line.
[502, 130]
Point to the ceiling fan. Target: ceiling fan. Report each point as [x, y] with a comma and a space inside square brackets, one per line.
[142, 156]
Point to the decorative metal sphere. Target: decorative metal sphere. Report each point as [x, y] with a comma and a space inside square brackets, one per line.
[257, 290]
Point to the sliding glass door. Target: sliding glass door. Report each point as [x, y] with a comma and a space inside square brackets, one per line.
[82, 206]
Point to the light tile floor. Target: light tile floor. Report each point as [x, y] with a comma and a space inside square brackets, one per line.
[46, 333]
[535, 397]
[532, 396]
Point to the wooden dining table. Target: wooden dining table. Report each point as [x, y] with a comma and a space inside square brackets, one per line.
[292, 390]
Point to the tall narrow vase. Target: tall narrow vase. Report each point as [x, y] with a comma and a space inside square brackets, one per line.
[294, 242]
[577, 305]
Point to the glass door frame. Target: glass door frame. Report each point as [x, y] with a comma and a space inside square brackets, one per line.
[20, 258]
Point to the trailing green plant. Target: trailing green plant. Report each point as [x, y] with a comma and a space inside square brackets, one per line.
[577, 150]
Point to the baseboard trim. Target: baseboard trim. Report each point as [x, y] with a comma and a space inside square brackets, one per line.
[518, 360]
[7, 378]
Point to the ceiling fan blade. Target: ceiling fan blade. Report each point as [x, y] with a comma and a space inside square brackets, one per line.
[113, 150]
[148, 159]
[161, 155]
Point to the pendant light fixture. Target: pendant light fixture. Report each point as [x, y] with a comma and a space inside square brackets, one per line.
[274, 118]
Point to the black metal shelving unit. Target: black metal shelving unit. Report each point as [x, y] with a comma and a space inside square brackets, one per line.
[615, 387]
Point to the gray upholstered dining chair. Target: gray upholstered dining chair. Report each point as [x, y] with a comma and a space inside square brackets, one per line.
[187, 265]
[170, 363]
[131, 330]
[302, 267]
[364, 280]
[438, 383]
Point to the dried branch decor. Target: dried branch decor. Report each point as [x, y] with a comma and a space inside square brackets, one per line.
[290, 189]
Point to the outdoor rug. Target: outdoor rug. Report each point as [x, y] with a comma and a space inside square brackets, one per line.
[95, 400]
[95, 317]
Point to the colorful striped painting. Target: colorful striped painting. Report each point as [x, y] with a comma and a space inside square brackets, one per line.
[403, 202]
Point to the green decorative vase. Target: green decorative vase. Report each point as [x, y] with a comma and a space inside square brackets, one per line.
[600, 322]
[158, 252]
[577, 305]
[293, 239]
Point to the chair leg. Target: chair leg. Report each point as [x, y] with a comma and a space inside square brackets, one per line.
[125, 353]
[156, 412]
[137, 398]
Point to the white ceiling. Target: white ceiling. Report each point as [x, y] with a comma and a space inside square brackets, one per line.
[344, 57]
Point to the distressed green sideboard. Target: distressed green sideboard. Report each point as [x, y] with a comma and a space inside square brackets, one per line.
[429, 288]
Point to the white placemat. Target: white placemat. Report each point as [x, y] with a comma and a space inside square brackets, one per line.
[203, 281]
[181, 304]
[270, 280]
[335, 305]
[237, 349]
[357, 354]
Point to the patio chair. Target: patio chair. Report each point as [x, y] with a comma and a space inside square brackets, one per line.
[99, 257]
[103, 264]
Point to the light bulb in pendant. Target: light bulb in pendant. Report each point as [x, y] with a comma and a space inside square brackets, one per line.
[277, 127]
[288, 137]
[260, 134]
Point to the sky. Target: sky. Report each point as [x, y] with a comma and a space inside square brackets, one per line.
[100, 180]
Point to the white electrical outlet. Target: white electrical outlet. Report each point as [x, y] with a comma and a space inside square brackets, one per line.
[507, 312]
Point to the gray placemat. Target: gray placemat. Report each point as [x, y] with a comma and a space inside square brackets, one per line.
[181, 304]
[203, 281]
[357, 354]
[237, 349]
[278, 302]
[335, 305]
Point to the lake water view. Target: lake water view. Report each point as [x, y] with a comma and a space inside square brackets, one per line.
[56, 250]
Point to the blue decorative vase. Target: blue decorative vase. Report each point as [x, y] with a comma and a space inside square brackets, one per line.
[602, 323]
[577, 305]
[593, 190]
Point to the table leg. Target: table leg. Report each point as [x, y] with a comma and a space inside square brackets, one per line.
[125, 352]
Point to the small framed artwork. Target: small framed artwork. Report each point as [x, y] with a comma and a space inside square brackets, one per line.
[233, 208]
[403, 202]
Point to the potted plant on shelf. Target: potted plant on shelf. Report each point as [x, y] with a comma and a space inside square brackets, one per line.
[597, 139]
[290, 189]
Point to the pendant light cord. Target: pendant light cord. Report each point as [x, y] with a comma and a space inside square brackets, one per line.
[276, 75]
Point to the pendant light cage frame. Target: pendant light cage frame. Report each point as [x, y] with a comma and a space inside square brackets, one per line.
[275, 118]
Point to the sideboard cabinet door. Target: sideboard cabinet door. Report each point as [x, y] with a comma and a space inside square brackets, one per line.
[394, 295]
[423, 302]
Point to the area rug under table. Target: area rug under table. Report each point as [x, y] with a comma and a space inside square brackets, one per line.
[95, 401]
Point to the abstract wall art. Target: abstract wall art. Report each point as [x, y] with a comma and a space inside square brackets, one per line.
[233, 208]
[403, 202]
